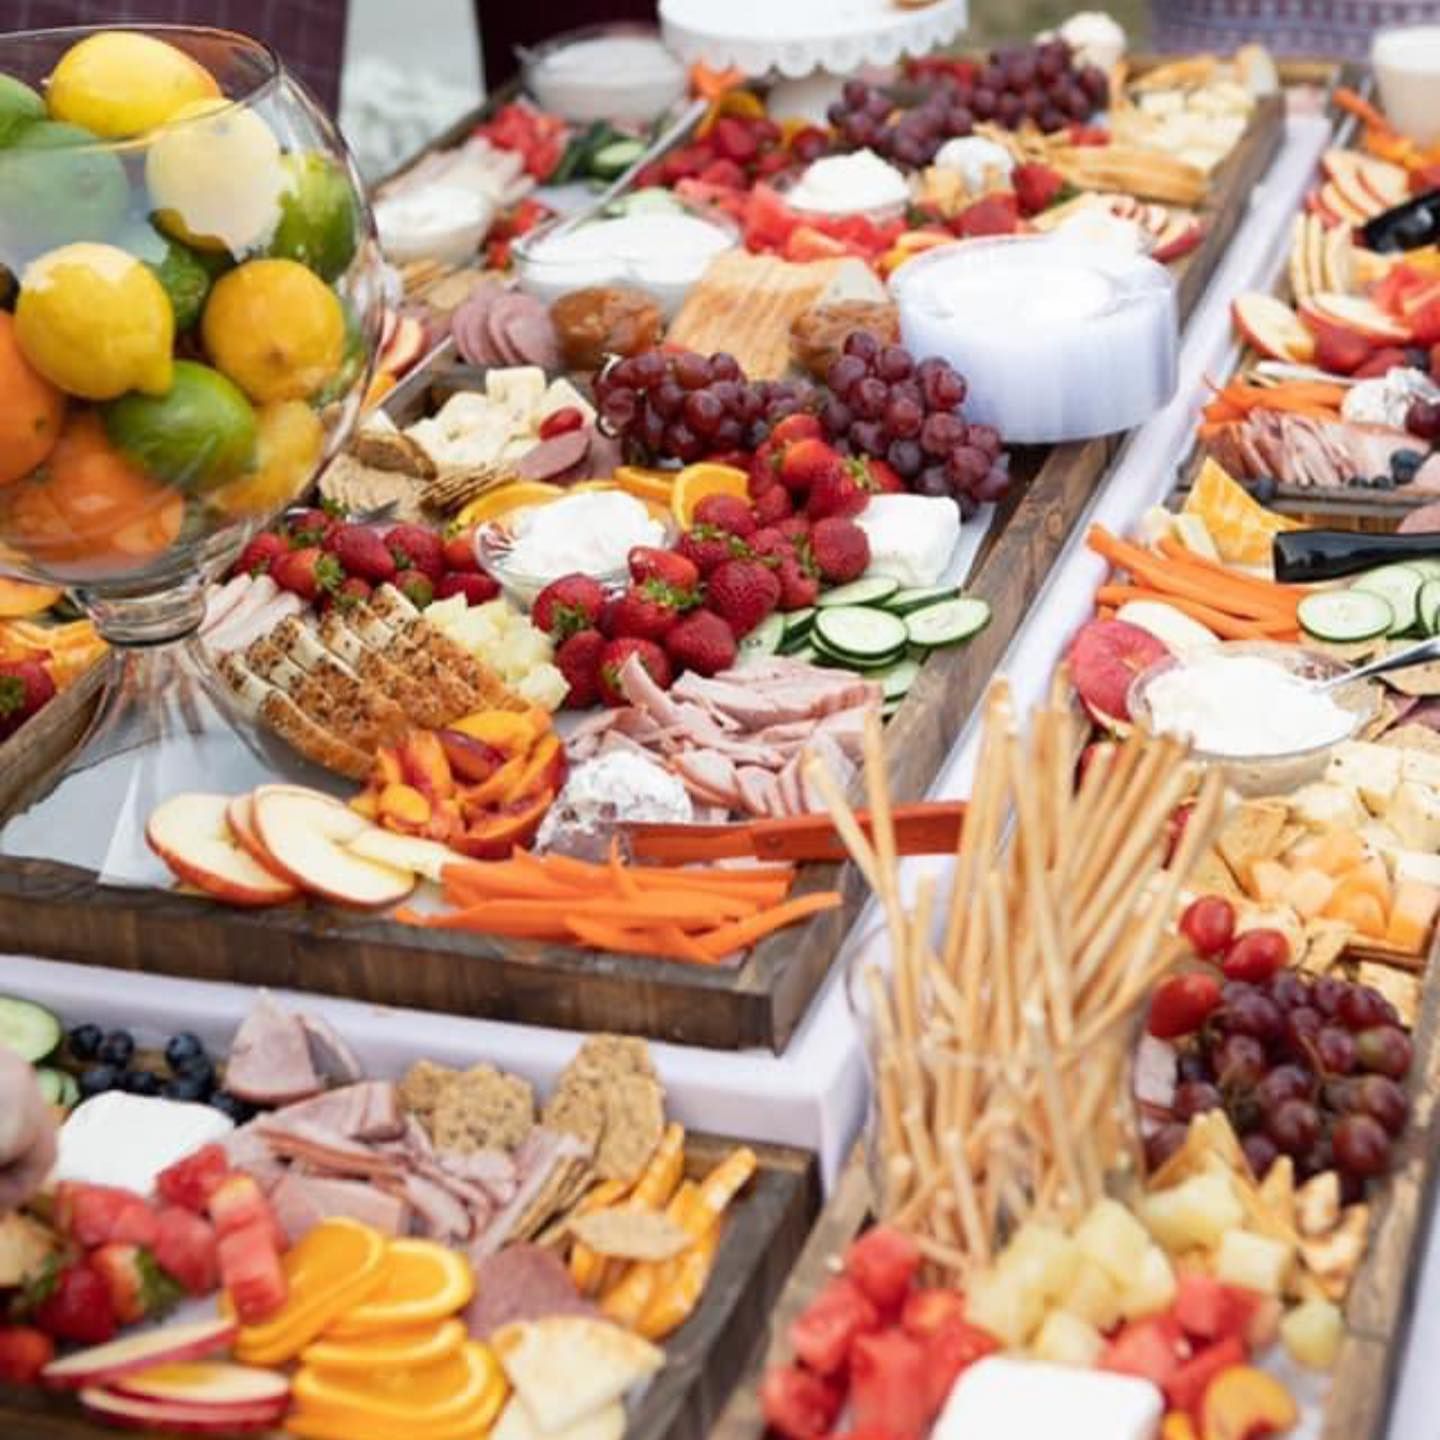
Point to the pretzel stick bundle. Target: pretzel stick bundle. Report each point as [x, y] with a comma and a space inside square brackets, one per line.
[1002, 1059]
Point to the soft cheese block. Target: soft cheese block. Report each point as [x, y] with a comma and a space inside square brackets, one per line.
[127, 1140]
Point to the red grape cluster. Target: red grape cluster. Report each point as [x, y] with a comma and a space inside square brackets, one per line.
[1310, 1068]
[685, 406]
[1040, 83]
[885, 405]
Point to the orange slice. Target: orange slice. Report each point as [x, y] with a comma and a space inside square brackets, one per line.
[452, 1392]
[695, 482]
[394, 1350]
[420, 1281]
[646, 484]
[19, 599]
[1240, 525]
[321, 1425]
[501, 501]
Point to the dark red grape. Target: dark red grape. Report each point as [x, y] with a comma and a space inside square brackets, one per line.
[750, 406]
[724, 366]
[1208, 923]
[903, 418]
[729, 434]
[1319, 1158]
[906, 458]
[667, 398]
[1049, 65]
[703, 412]
[683, 443]
[941, 433]
[869, 436]
[1335, 1050]
[836, 416]
[652, 429]
[1301, 1026]
[1361, 1146]
[995, 486]
[1294, 1126]
[967, 466]
[1326, 993]
[855, 94]
[1385, 1050]
[1287, 990]
[1194, 1098]
[982, 437]
[1361, 1007]
[692, 371]
[1383, 1100]
[1010, 109]
[1261, 1153]
[1050, 119]
[1256, 1015]
[961, 121]
[619, 407]
[984, 102]
[648, 369]
[1161, 1145]
[1339, 1094]
[869, 398]
[1193, 1065]
[1240, 1060]
[894, 364]
[846, 372]
[1284, 1082]
[623, 373]
[1096, 84]
[863, 345]
[932, 481]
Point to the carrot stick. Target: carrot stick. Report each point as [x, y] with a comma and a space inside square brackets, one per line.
[620, 879]
[473, 886]
[564, 869]
[480, 919]
[680, 878]
[1226, 626]
[620, 941]
[1177, 551]
[744, 933]
[1348, 100]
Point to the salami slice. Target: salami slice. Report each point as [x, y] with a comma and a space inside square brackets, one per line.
[497, 324]
[521, 1282]
[469, 327]
[552, 458]
[530, 335]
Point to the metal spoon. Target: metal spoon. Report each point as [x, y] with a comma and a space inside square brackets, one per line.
[1421, 654]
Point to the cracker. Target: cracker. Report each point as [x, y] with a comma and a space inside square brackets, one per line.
[634, 1123]
[577, 1108]
[612, 1055]
[546, 1203]
[423, 1085]
[483, 1109]
[1251, 833]
[630, 1234]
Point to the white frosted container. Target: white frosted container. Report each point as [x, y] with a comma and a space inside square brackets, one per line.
[1058, 338]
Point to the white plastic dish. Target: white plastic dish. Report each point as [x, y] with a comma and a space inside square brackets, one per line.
[605, 72]
[446, 223]
[1406, 61]
[1059, 338]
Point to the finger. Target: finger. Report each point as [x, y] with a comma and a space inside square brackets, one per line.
[19, 1098]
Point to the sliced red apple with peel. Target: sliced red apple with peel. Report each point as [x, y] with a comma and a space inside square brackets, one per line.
[102, 1364]
[192, 835]
[132, 1414]
[240, 817]
[1179, 237]
[404, 348]
[307, 833]
[1105, 658]
[1351, 312]
[1342, 204]
[1388, 183]
[1272, 327]
[404, 852]
[206, 1385]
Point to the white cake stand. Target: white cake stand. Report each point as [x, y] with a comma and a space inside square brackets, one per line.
[811, 45]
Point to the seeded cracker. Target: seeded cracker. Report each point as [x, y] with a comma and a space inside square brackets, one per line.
[630, 1234]
[577, 1108]
[481, 1109]
[634, 1123]
[422, 1087]
[606, 1056]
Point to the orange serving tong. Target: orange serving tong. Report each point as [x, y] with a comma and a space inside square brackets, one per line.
[931, 828]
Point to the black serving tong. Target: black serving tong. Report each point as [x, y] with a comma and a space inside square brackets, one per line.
[1406, 227]
[1303, 557]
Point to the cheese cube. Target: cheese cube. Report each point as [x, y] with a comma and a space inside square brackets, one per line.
[1372, 771]
[1093, 1296]
[1255, 1262]
[519, 390]
[1312, 1332]
[1414, 815]
[1413, 865]
[1151, 1289]
[1007, 1304]
[1114, 1239]
[1194, 1214]
[1005, 1399]
[1066, 1339]
[1320, 806]
[1380, 838]
[1422, 766]
[562, 395]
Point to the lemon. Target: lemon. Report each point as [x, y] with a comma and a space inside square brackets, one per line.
[274, 328]
[20, 107]
[215, 177]
[288, 445]
[94, 321]
[120, 84]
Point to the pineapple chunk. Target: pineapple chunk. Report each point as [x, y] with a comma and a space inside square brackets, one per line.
[1151, 1288]
[1311, 1333]
[1045, 1257]
[1066, 1339]
[1114, 1239]
[1195, 1213]
[1253, 1261]
[1004, 1302]
[1093, 1296]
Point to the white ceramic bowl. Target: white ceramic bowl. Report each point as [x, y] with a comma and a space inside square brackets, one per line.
[1406, 61]
[605, 72]
[445, 223]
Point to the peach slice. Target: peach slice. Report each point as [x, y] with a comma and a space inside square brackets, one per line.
[505, 730]
[405, 808]
[471, 760]
[1244, 1403]
[193, 836]
[426, 767]
[1272, 327]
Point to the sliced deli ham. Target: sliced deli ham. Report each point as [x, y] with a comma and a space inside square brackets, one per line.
[522, 1282]
[301, 1202]
[270, 1058]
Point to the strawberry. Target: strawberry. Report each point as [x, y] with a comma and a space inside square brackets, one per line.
[136, 1283]
[25, 687]
[92, 1215]
[309, 527]
[416, 548]
[646, 612]
[76, 1306]
[836, 491]
[648, 563]
[460, 551]
[308, 573]
[804, 462]
[996, 214]
[567, 605]
[707, 549]
[728, 513]
[840, 549]
[771, 545]
[764, 468]
[1036, 187]
[875, 477]
[251, 1274]
[795, 528]
[702, 642]
[799, 589]
[416, 586]
[800, 426]
[477, 588]
[185, 1249]
[743, 593]
[261, 553]
[362, 552]
[773, 506]
[192, 1181]
[353, 591]
[612, 662]
[578, 660]
[24, 1353]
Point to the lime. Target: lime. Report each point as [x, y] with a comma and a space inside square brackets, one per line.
[199, 434]
[319, 221]
[20, 107]
[119, 83]
[57, 185]
[180, 271]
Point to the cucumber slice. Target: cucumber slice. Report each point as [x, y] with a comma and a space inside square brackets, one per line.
[29, 1030]
[1345, 616]
[897, 679]
[904, 602]
[808, 653]
[866, 637]
[889, 708]
[1428, 603]
[1427, 565]
[765, 638]
[872, 590]
[1399, 585]
[613, 160]
[798, 622]
[58, 1087]
[947, 623]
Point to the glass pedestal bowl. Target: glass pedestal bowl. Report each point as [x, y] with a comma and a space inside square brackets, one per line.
[189, 312]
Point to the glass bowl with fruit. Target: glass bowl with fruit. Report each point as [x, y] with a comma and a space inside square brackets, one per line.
[191, 304]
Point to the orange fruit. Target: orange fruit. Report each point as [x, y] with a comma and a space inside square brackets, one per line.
[420, 1282]
[32, 410]
[695, 482]
[90, 506]
[397, 1350]
[646, 484]
[447, 1393]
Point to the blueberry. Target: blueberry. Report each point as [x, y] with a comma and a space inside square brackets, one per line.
[1384, 481]
[97, 1079]
[181, 1048]
[231, 1105]
[117, 1049]
[200, 1069]
[193, 1088]
[1265, 488]
[141, 1082]
[1405, 465]
[85, 1041]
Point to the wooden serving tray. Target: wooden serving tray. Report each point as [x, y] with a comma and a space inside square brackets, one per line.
[704, 1359]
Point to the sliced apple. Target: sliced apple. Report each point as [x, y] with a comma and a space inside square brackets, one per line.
[1272, 327]
[1316, 206]
[1338, 261]
[1387, 182]
[1179, 237]
[102, 1364]
[207, 1386]
[132, 1414]
[192, 835]
[307, 833]
[404, 348]
[1351, 312]
[403, 852]
[240, 817]
[1342, 205]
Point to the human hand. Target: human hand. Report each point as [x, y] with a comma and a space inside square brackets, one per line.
[27, 1133]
